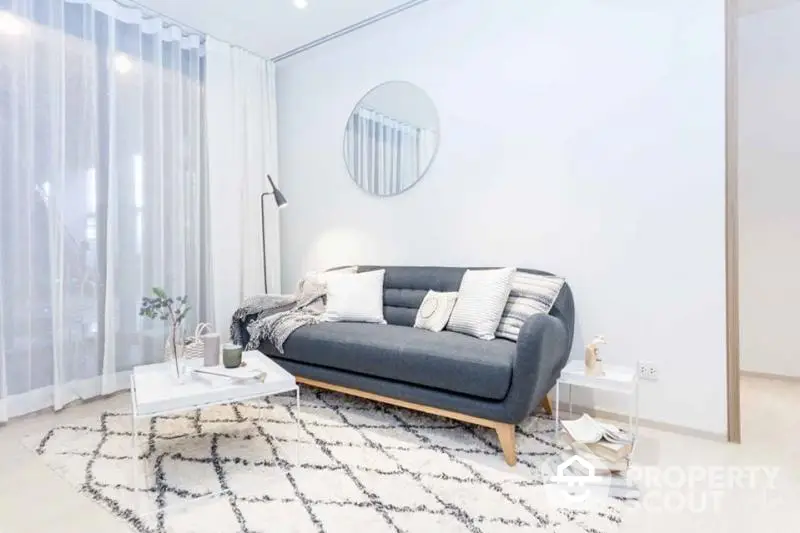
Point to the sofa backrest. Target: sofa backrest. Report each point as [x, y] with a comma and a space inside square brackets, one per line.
[404, 288]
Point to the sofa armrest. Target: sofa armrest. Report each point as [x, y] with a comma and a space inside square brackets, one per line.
[542, 352]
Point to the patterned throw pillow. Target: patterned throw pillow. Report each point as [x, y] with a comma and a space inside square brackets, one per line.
[435, 310]
[530, 294]
[482, 296]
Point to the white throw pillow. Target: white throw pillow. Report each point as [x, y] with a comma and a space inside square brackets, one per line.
[482, 297]
[355, 298]
[435, 310]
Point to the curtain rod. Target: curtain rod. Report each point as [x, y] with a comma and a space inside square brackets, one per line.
[316, 42]
[344, 31]
[177, 22]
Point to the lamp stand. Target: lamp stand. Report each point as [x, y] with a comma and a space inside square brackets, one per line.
[280, 201]
[264, 240]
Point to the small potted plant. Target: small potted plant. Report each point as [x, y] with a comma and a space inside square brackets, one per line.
[171, 310]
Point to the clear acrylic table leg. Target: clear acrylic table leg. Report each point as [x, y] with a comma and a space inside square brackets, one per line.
[631, 407]
[134, 450]
[570, 401]
[138, 478]
[297, 430]
[633, 417]
[558, 406]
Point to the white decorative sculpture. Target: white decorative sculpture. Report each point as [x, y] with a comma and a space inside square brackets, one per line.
[594, 363]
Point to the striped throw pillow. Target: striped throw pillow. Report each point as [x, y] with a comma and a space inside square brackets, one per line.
[530, 294]
[482, 296]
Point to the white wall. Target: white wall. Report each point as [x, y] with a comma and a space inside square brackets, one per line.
[745, 7]
[769, 182]
[582, 137]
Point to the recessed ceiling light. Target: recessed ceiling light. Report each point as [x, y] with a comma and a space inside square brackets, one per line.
[300, 4]
[11, 25]
[122, 63]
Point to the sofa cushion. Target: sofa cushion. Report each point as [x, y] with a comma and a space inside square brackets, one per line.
[443, 360]
[481, 299]
[530, 294]
[355, 298]
[435, 310]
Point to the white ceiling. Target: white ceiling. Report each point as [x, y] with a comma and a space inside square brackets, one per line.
[269, 27]
[273, 27]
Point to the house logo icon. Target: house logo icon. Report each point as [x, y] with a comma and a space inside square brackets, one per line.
[576, 488]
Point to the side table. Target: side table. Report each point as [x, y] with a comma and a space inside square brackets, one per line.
[616, 378]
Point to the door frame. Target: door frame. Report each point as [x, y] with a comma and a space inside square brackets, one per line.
[732, 222]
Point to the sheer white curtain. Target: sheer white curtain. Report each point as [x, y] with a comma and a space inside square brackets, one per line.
[386, 155]
[243, 149]
[103, 193]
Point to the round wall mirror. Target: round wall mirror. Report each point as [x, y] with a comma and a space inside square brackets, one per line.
[391, 138]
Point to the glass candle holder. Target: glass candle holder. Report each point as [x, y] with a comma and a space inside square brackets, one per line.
[231, 355]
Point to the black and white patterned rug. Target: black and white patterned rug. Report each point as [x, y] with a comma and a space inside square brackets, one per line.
[361, 465]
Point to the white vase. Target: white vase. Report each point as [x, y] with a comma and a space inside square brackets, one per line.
[181, 372]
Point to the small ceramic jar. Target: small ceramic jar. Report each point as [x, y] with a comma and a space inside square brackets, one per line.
[231, 355]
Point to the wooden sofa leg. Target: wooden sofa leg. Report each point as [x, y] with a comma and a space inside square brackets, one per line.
[546, 405]
[505, 433]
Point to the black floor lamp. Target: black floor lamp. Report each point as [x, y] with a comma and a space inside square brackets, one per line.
[280, 201]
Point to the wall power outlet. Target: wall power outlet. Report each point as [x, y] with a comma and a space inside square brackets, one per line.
[648, 371]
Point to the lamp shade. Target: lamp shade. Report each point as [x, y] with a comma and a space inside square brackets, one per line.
[280, 199]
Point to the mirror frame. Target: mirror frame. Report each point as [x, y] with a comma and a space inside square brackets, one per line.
[435, 151]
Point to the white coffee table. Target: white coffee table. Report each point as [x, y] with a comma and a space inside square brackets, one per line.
[156, 391]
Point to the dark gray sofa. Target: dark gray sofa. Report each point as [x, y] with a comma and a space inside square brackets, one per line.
[493, 383]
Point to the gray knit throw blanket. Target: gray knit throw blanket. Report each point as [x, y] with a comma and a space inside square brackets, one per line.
[273, 318]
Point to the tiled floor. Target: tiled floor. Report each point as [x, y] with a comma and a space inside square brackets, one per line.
[33, 499]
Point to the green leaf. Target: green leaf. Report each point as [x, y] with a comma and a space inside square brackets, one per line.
[181, 315]
[160, 293]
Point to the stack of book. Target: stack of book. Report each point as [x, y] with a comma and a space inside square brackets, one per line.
[605, 446]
